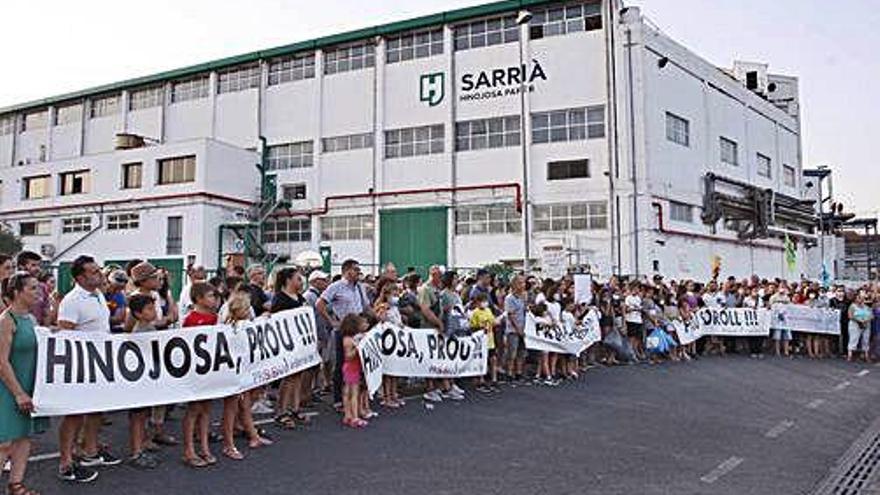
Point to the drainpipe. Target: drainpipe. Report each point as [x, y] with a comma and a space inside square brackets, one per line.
[613, 141]
[632, 138]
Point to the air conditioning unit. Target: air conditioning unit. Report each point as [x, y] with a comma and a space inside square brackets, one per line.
[47, 250]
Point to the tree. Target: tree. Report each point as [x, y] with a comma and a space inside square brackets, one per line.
[9, 243]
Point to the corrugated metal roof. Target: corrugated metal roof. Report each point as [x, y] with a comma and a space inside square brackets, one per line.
[302, 46]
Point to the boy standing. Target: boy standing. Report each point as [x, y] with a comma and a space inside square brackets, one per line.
[143, 311]
[204, 312]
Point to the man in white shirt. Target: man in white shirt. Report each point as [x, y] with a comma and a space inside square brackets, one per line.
[632, 306]
[194, 274]
[83, 309]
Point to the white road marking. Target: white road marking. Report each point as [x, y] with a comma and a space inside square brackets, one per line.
[863, 372]
[815, 403]
[779, 429]
[44, 457]
[722, 469]
[842, 385]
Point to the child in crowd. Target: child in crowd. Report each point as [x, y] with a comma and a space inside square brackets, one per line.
[483, 319]
[351, 327]
[238, 407]
[198, 413]
[387, 310]
[143, 312]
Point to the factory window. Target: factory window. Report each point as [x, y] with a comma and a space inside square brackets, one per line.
[571, 216]
[177, 170]
[7, 124]
[41, 228]
[146, 98]
[132, 175]
[104, 106]
[681, 212]
[476, 220]
[729, 152]
[238, 79]
[677, 129]
[123, 221]
[191, 89]
[568, 125]
[294, 192]
[291, 68]
[487, 133]
[568, 169]
[352, 57]
[76, 224]
[788, 176]
[414, 141]
[486, 32]
[37, 187]
[287, 230]
[74, 182]
[68, 114]
[34, 120]
[347, 143]
[764, 166]
[290, 155]
[414, 45]
[174, 236]
[347, 228]
[565, 19]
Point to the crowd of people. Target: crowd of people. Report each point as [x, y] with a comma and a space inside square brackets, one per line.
[137, 298]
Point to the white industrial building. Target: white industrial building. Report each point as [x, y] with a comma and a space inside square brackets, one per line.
[408, 142]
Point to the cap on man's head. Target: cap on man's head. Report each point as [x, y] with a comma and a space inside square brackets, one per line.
[318, 275]
[118, 277]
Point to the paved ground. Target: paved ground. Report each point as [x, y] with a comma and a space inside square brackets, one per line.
[719, 425]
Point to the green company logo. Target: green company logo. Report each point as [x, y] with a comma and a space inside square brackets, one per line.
[431, 88]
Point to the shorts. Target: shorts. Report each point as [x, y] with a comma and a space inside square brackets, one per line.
[634, 330]
[351, 373]
[516, 346]
[780, 334]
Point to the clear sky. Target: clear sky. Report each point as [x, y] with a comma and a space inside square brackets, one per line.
[53, 46]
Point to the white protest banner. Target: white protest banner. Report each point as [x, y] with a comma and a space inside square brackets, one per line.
[687, 333]
[420, 353]
[806, 319]
[732, 322]
[583, 288]
[563, 339]
[79, 372]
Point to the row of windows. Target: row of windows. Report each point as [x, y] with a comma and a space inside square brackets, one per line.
[487, 133]
[175, 170]
[347, 143]
[414, 141]
[398, 48]
[114, 222]
[678, 132]
[470, 220]
[568, 125]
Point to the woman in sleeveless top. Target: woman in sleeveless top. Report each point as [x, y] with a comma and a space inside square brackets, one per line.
[18, 362]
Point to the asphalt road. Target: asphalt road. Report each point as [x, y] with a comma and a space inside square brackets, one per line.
[719, 425]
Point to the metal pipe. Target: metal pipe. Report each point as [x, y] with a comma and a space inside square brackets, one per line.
[408, 192]
[523, 28]
[632, 139]
[613, 140]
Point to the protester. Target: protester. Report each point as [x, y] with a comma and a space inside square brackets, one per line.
[256, 276]
[43, 308]
[18, 362]
[84, 309]
[197, 420]
[143, 312]
[287, 295]
[860, 316]
[7, 267]
[193, 274]
[114, 293]
[351, 328]
[318, 281]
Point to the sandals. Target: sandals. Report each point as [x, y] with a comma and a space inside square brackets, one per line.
[299, 416]
[261, 441]
[209, 459]
[356, 423]
[233, 453]
[165, 439]
[20, 489]
[194, 462]
[285, 421]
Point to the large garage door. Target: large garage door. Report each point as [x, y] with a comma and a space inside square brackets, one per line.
[413, 238]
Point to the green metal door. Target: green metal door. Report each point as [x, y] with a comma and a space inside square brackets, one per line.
[415, 237]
